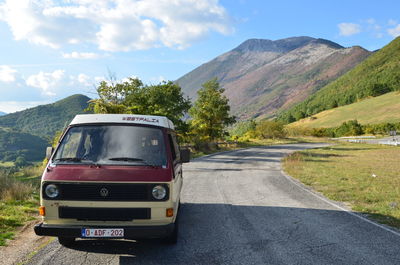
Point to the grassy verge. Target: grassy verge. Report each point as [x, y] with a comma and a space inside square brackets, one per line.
[19, 200]
[366, 177]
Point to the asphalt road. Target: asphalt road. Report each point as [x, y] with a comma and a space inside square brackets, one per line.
[239, 208]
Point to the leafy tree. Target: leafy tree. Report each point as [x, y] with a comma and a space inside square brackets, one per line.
[210, 113]
[133, 97]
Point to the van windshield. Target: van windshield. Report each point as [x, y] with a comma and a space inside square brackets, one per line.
[113, 145]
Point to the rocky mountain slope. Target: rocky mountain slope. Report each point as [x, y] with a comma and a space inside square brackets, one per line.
[263, 77]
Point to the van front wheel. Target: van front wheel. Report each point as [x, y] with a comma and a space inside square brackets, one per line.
[173, 237]
[66, 241]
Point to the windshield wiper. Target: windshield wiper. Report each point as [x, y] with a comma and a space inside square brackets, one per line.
[72, 159]
[131, 159]
[127, 159]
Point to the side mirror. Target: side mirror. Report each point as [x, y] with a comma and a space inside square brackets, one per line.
[49, 152]
[185, 155]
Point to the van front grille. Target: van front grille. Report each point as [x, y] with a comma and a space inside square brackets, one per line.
[104, 214]
[104, 192]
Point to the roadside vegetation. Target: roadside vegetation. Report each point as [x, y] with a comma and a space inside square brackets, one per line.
[365, 177]
[19, 198]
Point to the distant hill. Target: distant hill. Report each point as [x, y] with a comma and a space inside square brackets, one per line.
[377, 75]
[2, 113]
[27, 133]
[374, 110]
[262, 77]
[45, 120]
[14, 144]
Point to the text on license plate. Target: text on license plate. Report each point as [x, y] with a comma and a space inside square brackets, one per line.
[98, 232]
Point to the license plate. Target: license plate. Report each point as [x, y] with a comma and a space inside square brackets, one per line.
[98, 232]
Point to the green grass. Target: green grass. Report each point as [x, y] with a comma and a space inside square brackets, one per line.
[376, 110]
[345, 173]
[14, 214]
[19, 200]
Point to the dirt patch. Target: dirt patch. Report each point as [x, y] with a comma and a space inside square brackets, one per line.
[20, 248]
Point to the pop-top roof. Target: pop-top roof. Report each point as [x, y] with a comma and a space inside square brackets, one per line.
[123, 118]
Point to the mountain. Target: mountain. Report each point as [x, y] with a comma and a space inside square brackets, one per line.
[45, 120]
[377, 75]
[262, 77]
[2, 113]
[27, 133]
[376, 110]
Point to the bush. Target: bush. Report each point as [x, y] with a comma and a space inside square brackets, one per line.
[270, 129]
[13, 189]
[349, 128]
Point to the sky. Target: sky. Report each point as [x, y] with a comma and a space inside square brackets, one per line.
[51, 49]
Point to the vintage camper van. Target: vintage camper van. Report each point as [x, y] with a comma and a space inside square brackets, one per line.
[113, 176]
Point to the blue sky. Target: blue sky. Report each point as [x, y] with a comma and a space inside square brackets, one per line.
[52, 49]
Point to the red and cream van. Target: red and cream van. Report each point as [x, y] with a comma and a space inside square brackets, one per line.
[113, 176]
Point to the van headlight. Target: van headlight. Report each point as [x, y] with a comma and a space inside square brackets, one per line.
[159, 192]
[51, 191]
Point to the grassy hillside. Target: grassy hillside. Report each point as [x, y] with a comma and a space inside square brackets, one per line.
[375, 110]
[45, 120]
[377, 75]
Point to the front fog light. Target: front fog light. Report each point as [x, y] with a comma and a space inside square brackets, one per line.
[51, 191]
[159, 192]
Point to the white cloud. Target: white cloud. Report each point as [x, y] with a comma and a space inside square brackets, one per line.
[47, 82]
[348, 29]
[120, 25]
[394, 32]
[80, 55]
[7, 74]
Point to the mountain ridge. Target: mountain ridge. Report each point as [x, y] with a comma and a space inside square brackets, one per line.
[262, 77]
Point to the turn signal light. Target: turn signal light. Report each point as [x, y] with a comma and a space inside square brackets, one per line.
[170, 212]
[42, 210]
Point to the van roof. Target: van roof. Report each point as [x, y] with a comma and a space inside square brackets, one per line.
[160, 121]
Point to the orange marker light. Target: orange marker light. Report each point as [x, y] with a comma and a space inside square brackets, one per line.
[170, 212]
[42, 210]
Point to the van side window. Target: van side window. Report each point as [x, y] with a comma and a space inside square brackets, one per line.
[171, 144]
[176, 147]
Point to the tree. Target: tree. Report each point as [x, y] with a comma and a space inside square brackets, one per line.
[133, 97]
[210, 113]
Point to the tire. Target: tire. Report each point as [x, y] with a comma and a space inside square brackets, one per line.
[172, 239]
[66, 241]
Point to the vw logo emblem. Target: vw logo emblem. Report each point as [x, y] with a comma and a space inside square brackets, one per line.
[104, 192]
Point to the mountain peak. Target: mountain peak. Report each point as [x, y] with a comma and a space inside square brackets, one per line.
[264, 45]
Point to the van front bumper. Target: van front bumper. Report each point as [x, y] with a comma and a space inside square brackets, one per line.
[130, 232]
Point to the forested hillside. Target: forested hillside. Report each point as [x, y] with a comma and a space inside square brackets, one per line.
[45, 120]
[25, 134]
[14, 144]
[377, 75]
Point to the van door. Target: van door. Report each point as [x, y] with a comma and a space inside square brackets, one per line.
[177, 167]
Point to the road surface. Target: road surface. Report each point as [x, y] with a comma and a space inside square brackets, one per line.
[239, 208]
